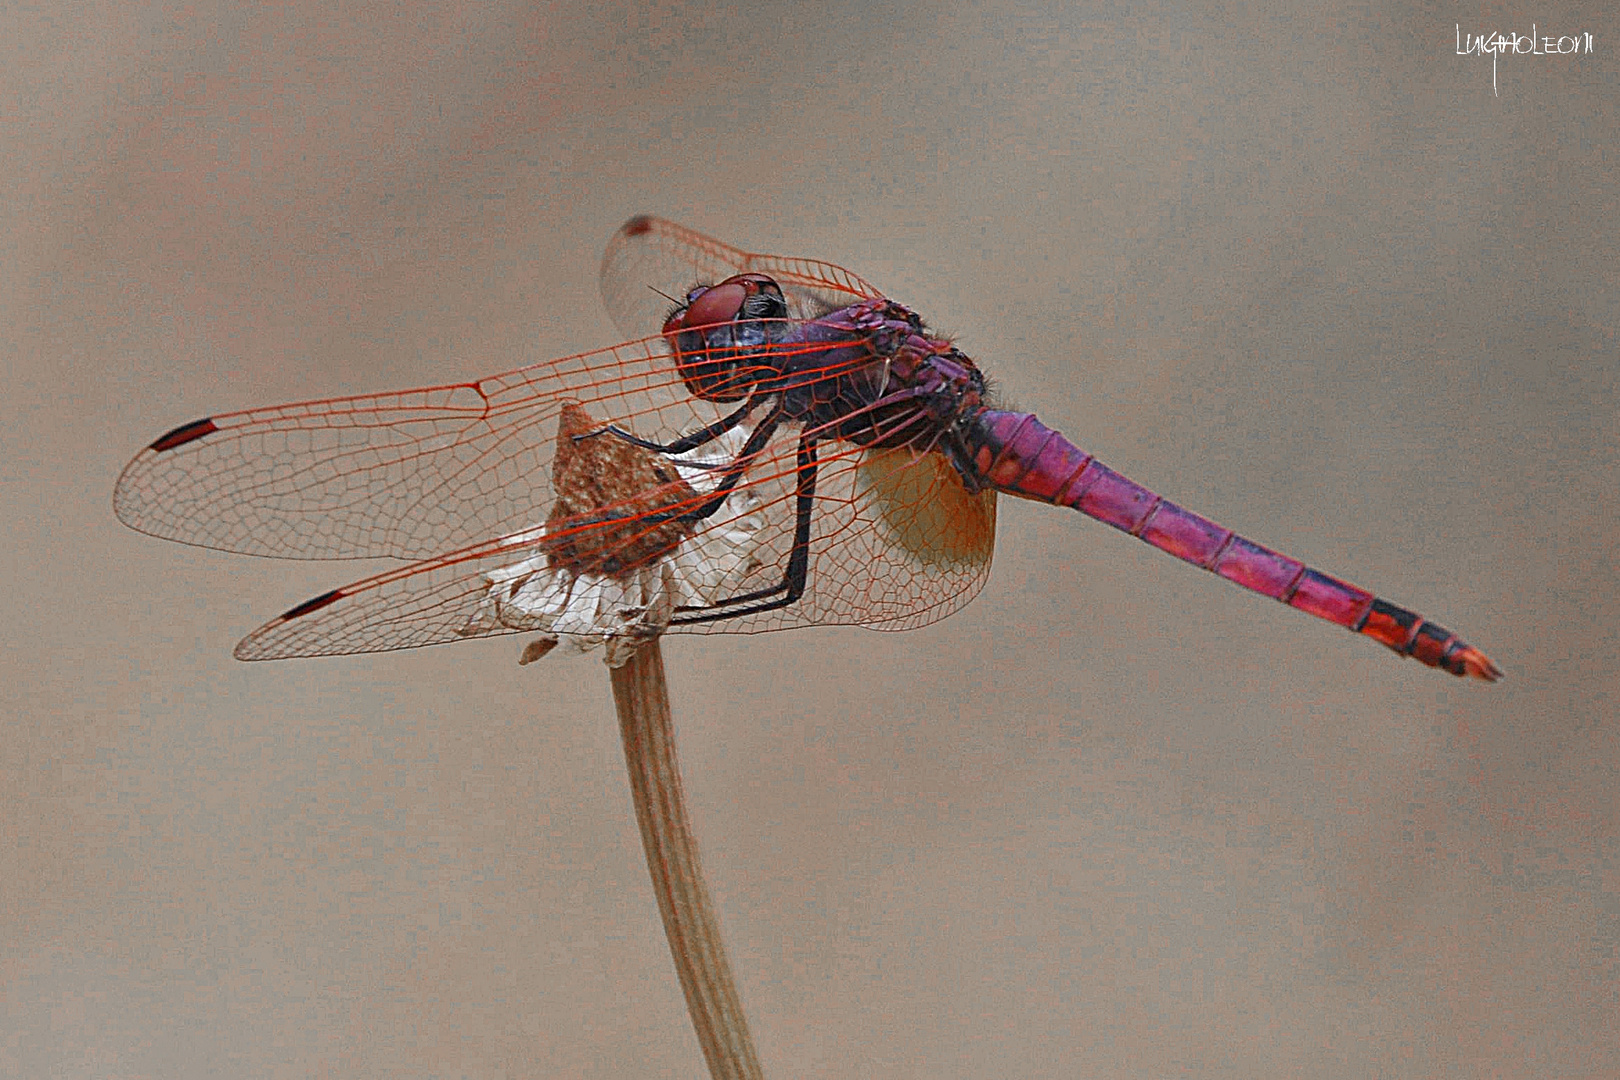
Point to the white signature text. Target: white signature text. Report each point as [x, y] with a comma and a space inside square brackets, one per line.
[1496, 43]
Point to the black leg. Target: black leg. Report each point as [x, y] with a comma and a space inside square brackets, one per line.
[701, 437]
[728, 483]
[960, 456]
[711, 502]
[797, 577]
[745, 457]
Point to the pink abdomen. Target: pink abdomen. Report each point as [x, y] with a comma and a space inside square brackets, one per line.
[1017, 454]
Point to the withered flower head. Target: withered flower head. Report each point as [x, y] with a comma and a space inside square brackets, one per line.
[614, 560]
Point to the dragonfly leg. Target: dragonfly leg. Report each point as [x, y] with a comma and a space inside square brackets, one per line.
[728, 483]
[960, 455]
[793, 582]
[686, 443]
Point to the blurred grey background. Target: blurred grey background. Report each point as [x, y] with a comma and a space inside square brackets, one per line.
[1305, 273]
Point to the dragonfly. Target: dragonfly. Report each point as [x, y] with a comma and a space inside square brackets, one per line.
[791, 447]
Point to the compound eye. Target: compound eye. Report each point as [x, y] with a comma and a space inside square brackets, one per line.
[739, 296]
[717, 305]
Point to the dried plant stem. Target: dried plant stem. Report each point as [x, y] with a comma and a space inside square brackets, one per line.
[642, 698]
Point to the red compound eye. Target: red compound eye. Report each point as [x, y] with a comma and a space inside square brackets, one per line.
[717, 305]
[720, 303]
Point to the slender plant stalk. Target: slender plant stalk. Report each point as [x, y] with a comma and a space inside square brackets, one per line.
[642, 698]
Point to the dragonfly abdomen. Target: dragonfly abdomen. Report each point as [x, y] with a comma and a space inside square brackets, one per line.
[1017, 454]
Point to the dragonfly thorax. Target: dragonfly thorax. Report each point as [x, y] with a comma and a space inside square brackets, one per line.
[899, 386]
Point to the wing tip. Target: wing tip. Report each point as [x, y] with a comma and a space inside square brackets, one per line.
[251, 647]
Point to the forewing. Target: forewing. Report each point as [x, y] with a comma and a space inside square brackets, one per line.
[415, 473]
[408, 475]
[651, 263]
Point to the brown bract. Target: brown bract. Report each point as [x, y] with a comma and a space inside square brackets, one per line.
[605, 486]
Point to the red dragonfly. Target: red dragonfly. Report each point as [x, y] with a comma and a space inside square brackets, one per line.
[793, 448]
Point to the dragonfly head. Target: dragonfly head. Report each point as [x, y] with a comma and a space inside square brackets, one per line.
[717, 331]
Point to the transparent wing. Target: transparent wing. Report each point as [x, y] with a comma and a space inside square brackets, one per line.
[407, 475]
[896, 543]
[651, 262]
